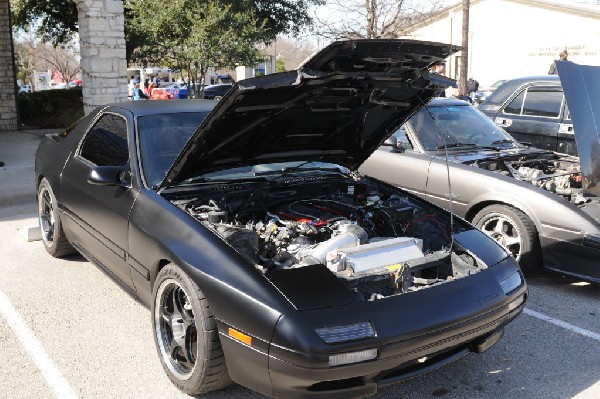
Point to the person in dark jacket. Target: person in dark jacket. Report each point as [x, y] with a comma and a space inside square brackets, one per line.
[563, 55]
[472, 87]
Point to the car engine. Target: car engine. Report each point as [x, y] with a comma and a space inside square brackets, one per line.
[373, 239]
[560, 176]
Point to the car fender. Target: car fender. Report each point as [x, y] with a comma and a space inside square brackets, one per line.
[553, 216]
[237, 293]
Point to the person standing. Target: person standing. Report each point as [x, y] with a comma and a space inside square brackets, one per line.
[439, 68]
[472, 87]
[563, 55]
[138, 93]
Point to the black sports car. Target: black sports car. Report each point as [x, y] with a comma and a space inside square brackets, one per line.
[265, 257]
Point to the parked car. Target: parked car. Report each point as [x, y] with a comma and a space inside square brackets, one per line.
[25, 89]
[172, 91]
[533, 110]
[216, 92]
[484, 92]
[264, 257]
[58, 85]
[536, 203]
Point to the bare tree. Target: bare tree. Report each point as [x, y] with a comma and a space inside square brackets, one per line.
[371, 19]
[32, 55]
[62, 58]
[292, 52]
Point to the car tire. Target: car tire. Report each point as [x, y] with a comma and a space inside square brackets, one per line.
[185, 334]
[217, 98]
[53, 236]
[512, 229]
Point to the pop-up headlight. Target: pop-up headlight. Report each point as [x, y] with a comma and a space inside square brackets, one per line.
[511, 283]
[348, 332]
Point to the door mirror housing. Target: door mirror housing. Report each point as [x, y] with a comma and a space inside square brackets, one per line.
[110, 176]
[394, 143]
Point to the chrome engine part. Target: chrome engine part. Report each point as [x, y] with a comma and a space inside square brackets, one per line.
[376, 244]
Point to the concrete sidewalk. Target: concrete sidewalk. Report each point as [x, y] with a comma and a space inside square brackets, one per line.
[17, 187]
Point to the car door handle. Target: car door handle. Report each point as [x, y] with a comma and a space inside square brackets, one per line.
[565, 128]
[502, 122]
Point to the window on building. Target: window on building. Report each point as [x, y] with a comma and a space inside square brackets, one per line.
[106, 143]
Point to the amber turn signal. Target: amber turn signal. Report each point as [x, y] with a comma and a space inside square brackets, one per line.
[240, 336]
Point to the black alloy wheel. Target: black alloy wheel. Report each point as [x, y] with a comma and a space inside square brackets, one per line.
[53, 236]
[186, 335]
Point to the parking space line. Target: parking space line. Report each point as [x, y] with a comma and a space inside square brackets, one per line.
[563, 324]
[34, 348]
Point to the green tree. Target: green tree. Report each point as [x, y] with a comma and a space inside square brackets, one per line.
[57, 20]
[280, 65]
[54, 21]
[195, 35]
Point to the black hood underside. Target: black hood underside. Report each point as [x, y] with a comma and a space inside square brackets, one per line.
[337, 108]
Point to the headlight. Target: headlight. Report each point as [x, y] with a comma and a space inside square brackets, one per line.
[352, 357]
[511, 283]
[348, 332]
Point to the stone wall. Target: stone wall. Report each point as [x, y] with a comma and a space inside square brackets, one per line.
[102, 45]
[8, 100]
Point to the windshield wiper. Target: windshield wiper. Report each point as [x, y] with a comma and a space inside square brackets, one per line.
[454, 145]
[291, 170]
[201, 180]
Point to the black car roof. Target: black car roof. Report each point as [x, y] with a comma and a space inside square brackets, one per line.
[141, 108]
[506, 89]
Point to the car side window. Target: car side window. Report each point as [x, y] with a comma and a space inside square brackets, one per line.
[106, 143]
[402, 138]
[543, 101]
[516, 105]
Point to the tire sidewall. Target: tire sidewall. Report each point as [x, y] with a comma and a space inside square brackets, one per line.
[193, 382]
[50, 247]
[528, 247]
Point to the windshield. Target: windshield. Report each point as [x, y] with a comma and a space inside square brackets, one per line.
[275, 170]
[458, 126]
[161, 138]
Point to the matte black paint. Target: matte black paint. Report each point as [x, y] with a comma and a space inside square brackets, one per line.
[133, 231]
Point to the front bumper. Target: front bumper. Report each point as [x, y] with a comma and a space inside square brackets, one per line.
[416, 333]
[396, 362]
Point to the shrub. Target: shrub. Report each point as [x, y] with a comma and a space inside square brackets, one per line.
[57, 108]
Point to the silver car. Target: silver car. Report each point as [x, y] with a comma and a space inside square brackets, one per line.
[544, 207]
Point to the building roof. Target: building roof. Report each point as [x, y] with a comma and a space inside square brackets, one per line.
[578, 10]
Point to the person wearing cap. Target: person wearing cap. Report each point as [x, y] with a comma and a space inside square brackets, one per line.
[440, 69]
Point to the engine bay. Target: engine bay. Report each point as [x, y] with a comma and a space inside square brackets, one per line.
[376, 239]
[561, 176]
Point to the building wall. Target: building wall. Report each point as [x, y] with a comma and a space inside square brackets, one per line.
[8, 100]
[515, 38]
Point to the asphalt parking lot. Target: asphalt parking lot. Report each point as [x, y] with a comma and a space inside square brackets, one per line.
[66, 330]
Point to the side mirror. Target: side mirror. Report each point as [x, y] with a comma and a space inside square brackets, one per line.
[110, 176]
[394, 143]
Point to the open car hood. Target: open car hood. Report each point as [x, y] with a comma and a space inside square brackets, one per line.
[338, 107]
[581, 85]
